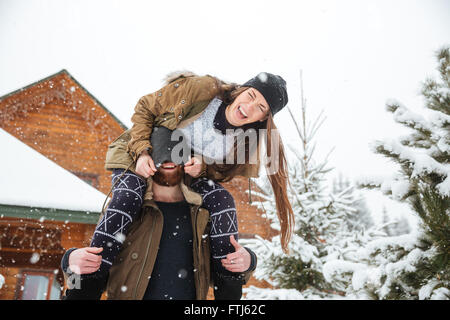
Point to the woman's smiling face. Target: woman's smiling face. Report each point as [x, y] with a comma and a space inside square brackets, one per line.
[250, 106]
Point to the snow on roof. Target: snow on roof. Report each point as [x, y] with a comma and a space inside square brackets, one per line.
[30, 179]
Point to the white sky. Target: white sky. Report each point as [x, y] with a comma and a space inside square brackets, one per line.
[354, 55]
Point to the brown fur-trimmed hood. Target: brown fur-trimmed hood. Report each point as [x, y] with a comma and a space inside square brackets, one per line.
[172, 76]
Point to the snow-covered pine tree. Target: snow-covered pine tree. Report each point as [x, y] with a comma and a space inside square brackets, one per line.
[387, 224]
[320, 219]
[395, 227]
[414, 265]
[362, 218]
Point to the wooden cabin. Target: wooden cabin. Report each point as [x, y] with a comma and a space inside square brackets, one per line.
[43, 209]
[61, 120]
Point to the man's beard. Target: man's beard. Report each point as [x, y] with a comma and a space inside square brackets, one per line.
[169, 178]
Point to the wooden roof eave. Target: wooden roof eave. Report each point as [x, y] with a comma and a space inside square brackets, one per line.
[64, 71]
[49, 214]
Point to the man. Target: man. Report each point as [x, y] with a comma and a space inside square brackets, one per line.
[166, 253]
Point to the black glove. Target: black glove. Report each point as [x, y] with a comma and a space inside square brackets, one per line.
[228, 287]
[86, 287]
[82, 287]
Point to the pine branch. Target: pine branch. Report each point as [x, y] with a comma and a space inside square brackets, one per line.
[296, 124]
[408, 118]
[316, 126]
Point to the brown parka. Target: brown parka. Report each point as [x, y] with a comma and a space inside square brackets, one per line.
[184, 96]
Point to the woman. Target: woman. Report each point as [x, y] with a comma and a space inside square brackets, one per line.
[184, 102]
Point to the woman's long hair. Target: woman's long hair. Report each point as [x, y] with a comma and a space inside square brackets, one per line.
[278, 179]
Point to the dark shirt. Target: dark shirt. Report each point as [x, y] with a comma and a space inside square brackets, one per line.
[173, 274]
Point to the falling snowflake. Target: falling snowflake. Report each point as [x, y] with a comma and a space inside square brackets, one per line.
[262, 76]
[182, 274]
[35, 258]
[120, 237]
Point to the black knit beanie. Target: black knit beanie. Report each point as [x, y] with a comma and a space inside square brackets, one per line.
[272, 87]
[162, 147]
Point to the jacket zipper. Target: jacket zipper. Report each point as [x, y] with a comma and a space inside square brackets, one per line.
[145, 259]
[196, 229]
[199, 245]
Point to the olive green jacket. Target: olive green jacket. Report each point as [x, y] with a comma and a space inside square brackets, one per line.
[134, 264]
[131, 271]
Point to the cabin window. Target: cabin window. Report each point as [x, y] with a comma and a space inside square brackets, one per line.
[38, 285]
